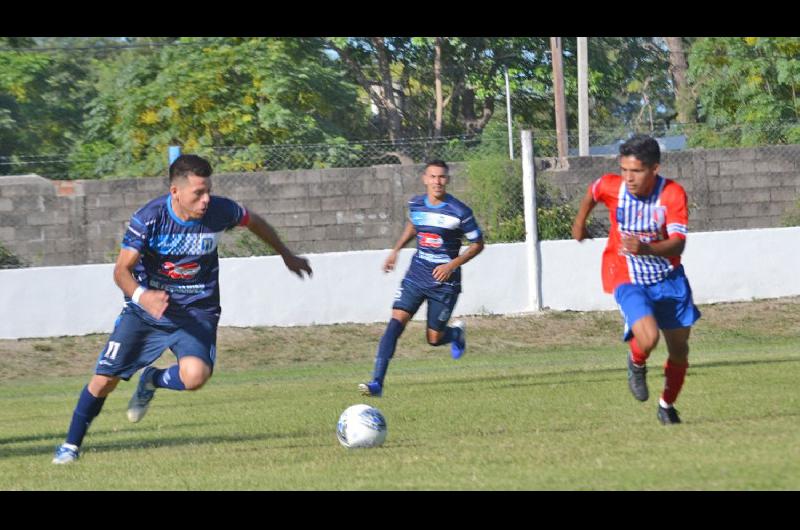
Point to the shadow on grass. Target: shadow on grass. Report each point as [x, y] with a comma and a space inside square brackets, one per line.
[655, 369]
[155, 443]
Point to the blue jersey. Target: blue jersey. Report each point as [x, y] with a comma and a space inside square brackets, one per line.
[439, 229]
[180, 257]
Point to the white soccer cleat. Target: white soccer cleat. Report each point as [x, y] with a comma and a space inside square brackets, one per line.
[459, 346]
[66, 453]
[140, 401]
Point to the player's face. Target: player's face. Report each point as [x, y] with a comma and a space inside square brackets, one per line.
[639, 177]
[191, 196]
[435, 179]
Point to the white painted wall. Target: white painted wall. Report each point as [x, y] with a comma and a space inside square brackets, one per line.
[350, 287]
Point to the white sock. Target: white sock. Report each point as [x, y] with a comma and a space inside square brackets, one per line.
[663, 404]
[71, 446]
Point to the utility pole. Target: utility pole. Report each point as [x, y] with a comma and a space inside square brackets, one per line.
[558, 92]
[583, 97]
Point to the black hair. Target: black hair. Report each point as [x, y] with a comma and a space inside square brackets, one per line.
[437, 163]
[643, 147]
[186, 165]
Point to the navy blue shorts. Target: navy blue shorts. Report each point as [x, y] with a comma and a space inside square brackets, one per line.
[409, 297]
[669, 301]
[137, 341]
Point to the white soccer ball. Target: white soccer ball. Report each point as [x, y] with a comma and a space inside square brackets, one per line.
[361, 426]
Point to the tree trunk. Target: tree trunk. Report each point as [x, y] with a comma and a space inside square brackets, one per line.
[685, 103]
[560, 100]
[437, 87]
[384, 66]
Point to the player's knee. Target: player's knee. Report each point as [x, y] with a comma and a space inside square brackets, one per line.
[194, 379]
[101, 386]
[647, 341]
[434, 337]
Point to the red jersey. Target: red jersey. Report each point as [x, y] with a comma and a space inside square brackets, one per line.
[661, 215]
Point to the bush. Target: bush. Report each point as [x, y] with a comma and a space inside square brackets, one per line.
[9, 260]
[494, 191]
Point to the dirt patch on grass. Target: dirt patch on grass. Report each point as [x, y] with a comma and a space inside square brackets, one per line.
[247, 348]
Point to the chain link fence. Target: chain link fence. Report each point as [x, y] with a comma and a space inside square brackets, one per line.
[351, 195]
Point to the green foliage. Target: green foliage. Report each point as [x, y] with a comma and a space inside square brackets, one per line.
[8, 260]
[242, 244]
[496, 197]
[238, 92]
[747, 90]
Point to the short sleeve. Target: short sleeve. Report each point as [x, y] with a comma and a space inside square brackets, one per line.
[234, 213]
[605, 188]
[136, 236]
[469, 225]
[677, 215]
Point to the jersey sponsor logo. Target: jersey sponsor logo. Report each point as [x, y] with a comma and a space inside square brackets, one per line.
[660, 215]
[429, 240]
[184, 271]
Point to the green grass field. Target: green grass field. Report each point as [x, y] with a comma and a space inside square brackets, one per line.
[540, 402]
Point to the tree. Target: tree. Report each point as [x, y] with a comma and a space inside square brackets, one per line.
[216, 92]
[747, 90]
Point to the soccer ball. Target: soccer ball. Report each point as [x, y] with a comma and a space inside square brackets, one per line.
[361, 426]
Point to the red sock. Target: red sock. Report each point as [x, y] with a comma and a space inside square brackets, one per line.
[638, 356]
[675, 374]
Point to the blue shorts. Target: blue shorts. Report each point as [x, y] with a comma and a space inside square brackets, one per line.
[669, 301]
[409, 297]
[138, 340]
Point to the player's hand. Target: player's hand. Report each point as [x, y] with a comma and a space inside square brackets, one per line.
[388, 265]
[297, 265]
[443, 272]
[632, 245]
[579, 232]
[155, 302]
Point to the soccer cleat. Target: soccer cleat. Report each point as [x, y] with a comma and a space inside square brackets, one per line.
[668, 415]
[372, 389]
[459, 346]
[66, 454]
[637, 380]
[140, 401]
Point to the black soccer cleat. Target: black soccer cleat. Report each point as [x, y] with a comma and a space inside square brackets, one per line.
[637, 380]
[668, 415]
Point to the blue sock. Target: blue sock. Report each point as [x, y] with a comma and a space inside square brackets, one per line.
[86, 410]
[450, 334]
[386, 349]
[169, 378]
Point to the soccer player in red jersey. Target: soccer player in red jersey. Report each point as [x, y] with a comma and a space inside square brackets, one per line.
[642, 264]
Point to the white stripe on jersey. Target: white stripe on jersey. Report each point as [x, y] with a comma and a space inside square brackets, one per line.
[433, 258]
[435, 219]
[639, 219]
[472, 236]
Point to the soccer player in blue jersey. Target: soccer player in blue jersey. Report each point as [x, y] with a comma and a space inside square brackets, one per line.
[168, 270]
[438, 221]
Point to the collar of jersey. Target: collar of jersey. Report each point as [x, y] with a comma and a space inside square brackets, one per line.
[652, 193]
[175, 216]
[444, 202]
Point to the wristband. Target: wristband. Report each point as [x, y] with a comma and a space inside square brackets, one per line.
[137, 294]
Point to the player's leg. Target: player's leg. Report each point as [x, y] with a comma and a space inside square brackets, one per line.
[407, 300]
[195, 345]
[641, 331]
[676, 313]
[674, 372]
[130, 346]
[440, 308]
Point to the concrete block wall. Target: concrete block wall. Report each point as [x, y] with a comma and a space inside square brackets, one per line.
[47, 222]
[728, 189]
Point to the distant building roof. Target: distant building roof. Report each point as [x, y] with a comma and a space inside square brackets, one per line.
[667, 143]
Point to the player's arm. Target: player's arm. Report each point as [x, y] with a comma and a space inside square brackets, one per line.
[443, 272]
[665, 248]
[409, 233]
[257, 225]
[151, 300]
[584, 209]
